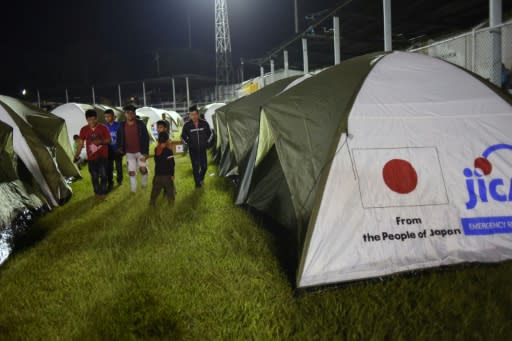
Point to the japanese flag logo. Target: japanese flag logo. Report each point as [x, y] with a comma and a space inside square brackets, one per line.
[400, 177]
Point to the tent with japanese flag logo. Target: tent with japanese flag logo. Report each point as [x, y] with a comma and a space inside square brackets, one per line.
[386, 163]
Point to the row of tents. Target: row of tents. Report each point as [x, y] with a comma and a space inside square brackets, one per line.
[371, 164]
[36, 152]
[74, 116]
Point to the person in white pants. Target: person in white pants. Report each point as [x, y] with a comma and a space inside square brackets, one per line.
[137, 161]
[133, 140]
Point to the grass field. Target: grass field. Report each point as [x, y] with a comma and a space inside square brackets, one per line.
[207, 270]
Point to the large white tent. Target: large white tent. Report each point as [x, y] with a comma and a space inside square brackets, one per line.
[386, 163]
[420, 179]
[74, 115]
[154, 115]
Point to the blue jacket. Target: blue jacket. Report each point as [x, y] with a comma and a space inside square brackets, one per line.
[113, 134]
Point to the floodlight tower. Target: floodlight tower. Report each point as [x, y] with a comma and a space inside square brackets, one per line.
[224, 67]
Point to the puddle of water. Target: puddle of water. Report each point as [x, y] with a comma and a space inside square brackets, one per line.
[19, 227]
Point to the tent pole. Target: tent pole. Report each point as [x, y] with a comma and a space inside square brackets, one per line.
[144, 93]
[173, 94]
[337, 51]
[495, 19]
[286, 65]
[67, 96]
[188, 92]
[93, 96]
[388, 43]
[296, 15]
[38, 99]
[305, 55]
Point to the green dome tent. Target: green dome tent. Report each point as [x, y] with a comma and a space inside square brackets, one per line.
[383, 164]
[41, 144]
[306, 117]
[16, 196]
[238, 126]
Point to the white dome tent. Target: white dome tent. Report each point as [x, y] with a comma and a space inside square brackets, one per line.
[154, 115]
[210, 111]
[416, 124]
[74, 115]
[387, 163]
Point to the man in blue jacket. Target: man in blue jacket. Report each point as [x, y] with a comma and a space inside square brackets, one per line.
[114, 157]
[198, 136]
[133, 140]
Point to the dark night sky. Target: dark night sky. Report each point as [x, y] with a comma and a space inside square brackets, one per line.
[55, 44]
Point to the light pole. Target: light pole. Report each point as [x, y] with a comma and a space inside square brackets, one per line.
[296, 12]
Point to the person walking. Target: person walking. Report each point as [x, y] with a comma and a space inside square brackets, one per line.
[133, 140]
[114, 157]
[164, 170]
[198, 135]
[97, 139]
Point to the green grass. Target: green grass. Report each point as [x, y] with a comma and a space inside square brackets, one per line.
[207, 270]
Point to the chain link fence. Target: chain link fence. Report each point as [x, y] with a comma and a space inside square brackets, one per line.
[486, 52]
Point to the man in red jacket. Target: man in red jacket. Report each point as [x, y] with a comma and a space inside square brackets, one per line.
[97, 139]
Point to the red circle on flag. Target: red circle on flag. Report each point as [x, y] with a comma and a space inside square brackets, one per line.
[400, 176]
[484, 165]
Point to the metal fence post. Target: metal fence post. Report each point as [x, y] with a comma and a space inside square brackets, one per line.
[337, 50]
[305, 55]
[119, 94]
